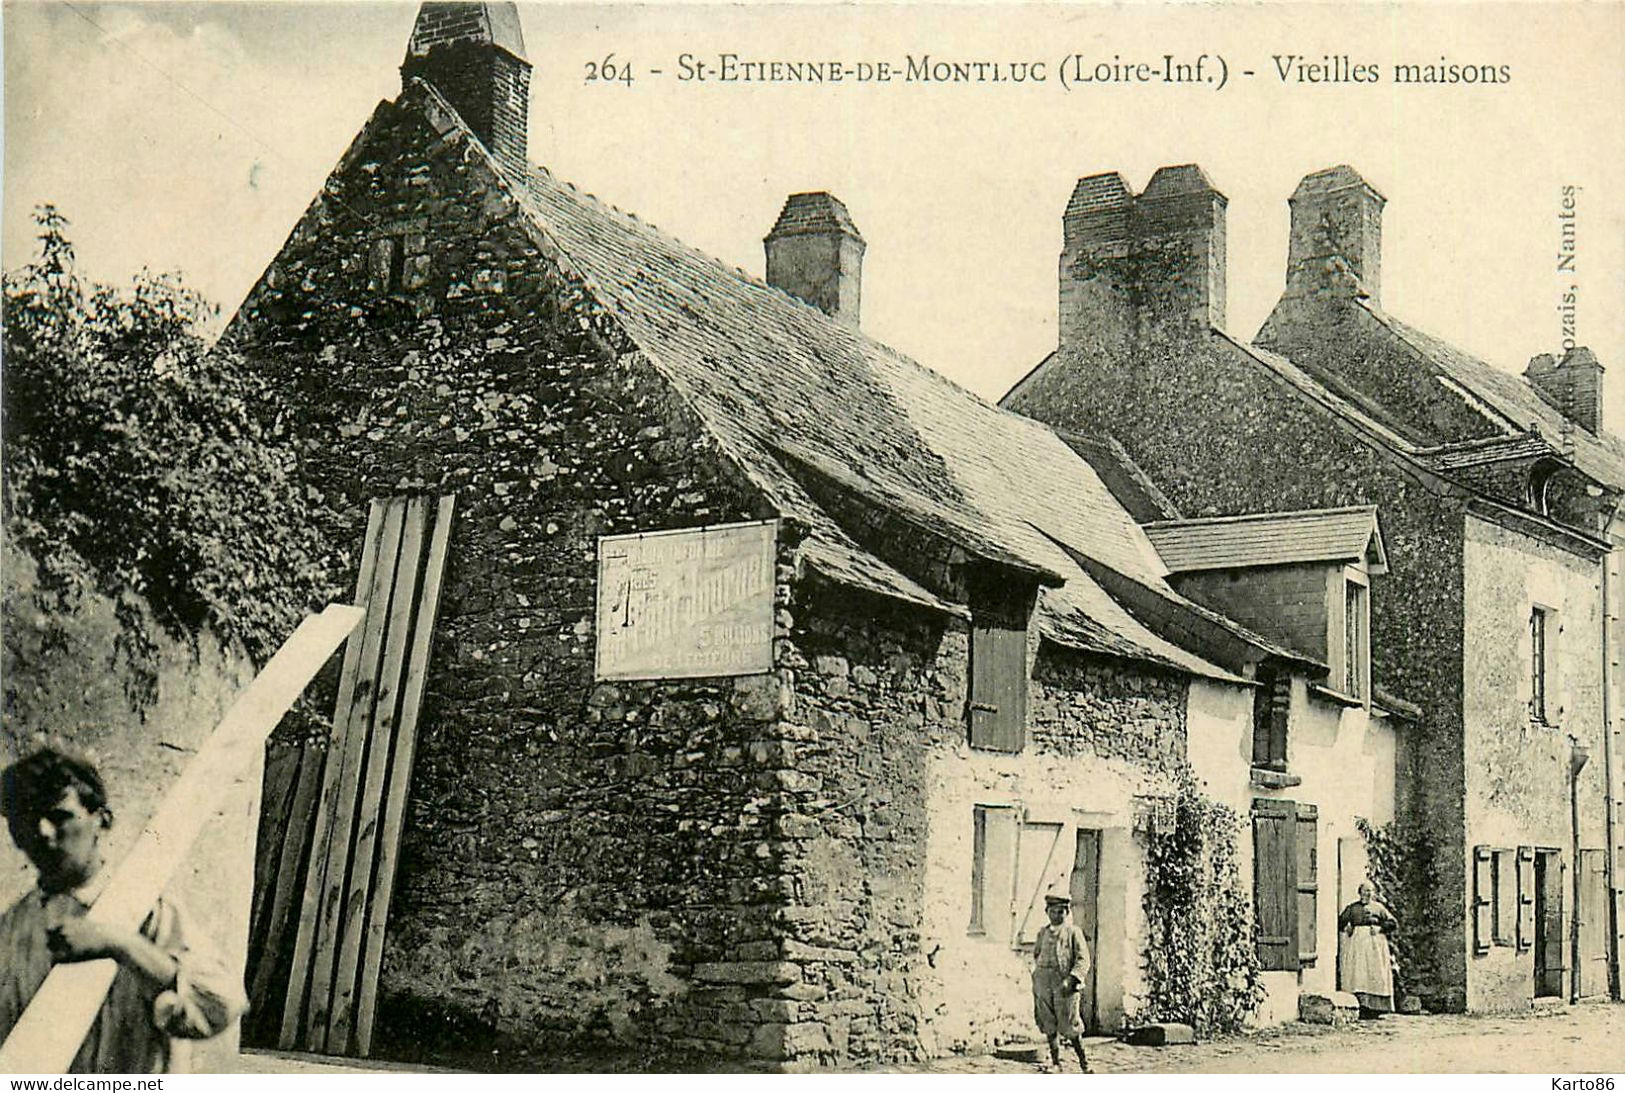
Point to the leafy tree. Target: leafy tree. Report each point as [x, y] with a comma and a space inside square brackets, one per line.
[135, 464]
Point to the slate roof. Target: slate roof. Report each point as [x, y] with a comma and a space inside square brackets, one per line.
[787, 392]
[1511, 402]
[1266, 539]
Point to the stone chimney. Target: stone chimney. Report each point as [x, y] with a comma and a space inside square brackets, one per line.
[1572, 384]
[815, 253]
[1129, 263]
[1096, 278]
[474, 55]
[1335, 215]
[1180, 243]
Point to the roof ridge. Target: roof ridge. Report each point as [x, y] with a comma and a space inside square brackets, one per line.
[1237, 518]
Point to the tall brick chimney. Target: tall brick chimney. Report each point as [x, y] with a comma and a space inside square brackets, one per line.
[1336, 214]
[1572, 384]
[1128, 263]
[474, 54]
[815, 253]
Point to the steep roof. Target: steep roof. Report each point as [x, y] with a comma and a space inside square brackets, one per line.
[1266, 539]
[789, 392]
[1511, 402]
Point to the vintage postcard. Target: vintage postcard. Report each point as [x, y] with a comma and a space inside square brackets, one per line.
[885, 538]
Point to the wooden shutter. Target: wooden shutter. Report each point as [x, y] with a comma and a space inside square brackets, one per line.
[993, 870]
[1526, 898]
[1040, 863]
[1483, 887]
[998, 692]
[1275, 883]
[1308, 886]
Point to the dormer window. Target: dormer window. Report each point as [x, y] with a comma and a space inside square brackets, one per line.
[1356, 635]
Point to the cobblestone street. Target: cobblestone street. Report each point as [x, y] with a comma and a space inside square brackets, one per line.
[1582, 1039]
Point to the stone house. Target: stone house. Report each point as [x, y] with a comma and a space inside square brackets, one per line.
[775, 677]
[1497, 495]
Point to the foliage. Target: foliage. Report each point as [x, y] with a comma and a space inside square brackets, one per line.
[1201, 963]
[1403, 863]
[135, 465]
[542, 972]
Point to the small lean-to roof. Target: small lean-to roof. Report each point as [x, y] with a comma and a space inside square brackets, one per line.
[1269, 539]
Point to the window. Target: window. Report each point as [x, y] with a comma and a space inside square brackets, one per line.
[1286, 889]
[998, 661]
[1501, 892]
[1356, 638]
[1272, 706]
[1538, 629]
[1506, 897]
[993, 861]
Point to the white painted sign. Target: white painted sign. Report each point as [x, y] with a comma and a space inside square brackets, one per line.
[693, 602]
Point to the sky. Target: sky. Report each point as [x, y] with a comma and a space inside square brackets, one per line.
[190, 137]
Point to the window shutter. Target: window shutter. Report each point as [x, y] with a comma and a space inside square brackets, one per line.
[1308, 893]
[1275, 883]
[998, 687]
[1482, 903]
[1526, 898]
[993, 870]
[1039, 864]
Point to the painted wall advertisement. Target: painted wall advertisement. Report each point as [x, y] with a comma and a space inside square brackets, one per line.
[692, 602]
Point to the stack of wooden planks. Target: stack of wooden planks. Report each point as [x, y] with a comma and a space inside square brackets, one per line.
[355, 836]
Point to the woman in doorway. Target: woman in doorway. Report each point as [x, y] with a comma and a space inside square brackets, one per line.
[1365, 966]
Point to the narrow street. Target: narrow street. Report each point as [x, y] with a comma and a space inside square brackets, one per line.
[1572, 1040]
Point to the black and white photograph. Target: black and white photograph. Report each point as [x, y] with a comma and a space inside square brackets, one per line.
[878, 538]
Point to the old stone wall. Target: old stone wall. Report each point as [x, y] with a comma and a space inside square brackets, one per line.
[581, 861]
[1518, 785]
[882, 819]
[1221, 434]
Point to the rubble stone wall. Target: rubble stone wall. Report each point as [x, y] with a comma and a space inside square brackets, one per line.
[581, 861]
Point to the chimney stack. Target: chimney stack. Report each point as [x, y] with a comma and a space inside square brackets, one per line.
[1131, 263]
[1573, 385]
[474, 55]
[1335, 215]
[1181, 245]
[815, 253]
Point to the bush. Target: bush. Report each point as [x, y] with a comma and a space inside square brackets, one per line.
[135, 465]
[1201, 963]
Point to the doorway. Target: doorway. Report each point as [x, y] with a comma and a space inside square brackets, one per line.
[1591, 971]
[1085, 891]
[1549, 966]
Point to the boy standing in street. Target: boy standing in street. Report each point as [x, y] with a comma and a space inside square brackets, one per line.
[1061, 962]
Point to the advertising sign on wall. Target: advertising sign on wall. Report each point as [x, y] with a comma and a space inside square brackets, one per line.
[692, 602]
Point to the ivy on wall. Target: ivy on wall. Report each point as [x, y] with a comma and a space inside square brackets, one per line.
[136, 467]
[1201, 963]
[1403, 866]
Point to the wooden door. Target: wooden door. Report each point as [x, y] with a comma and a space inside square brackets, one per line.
[1085, 892]
[1592, 969]
[1549, 964]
